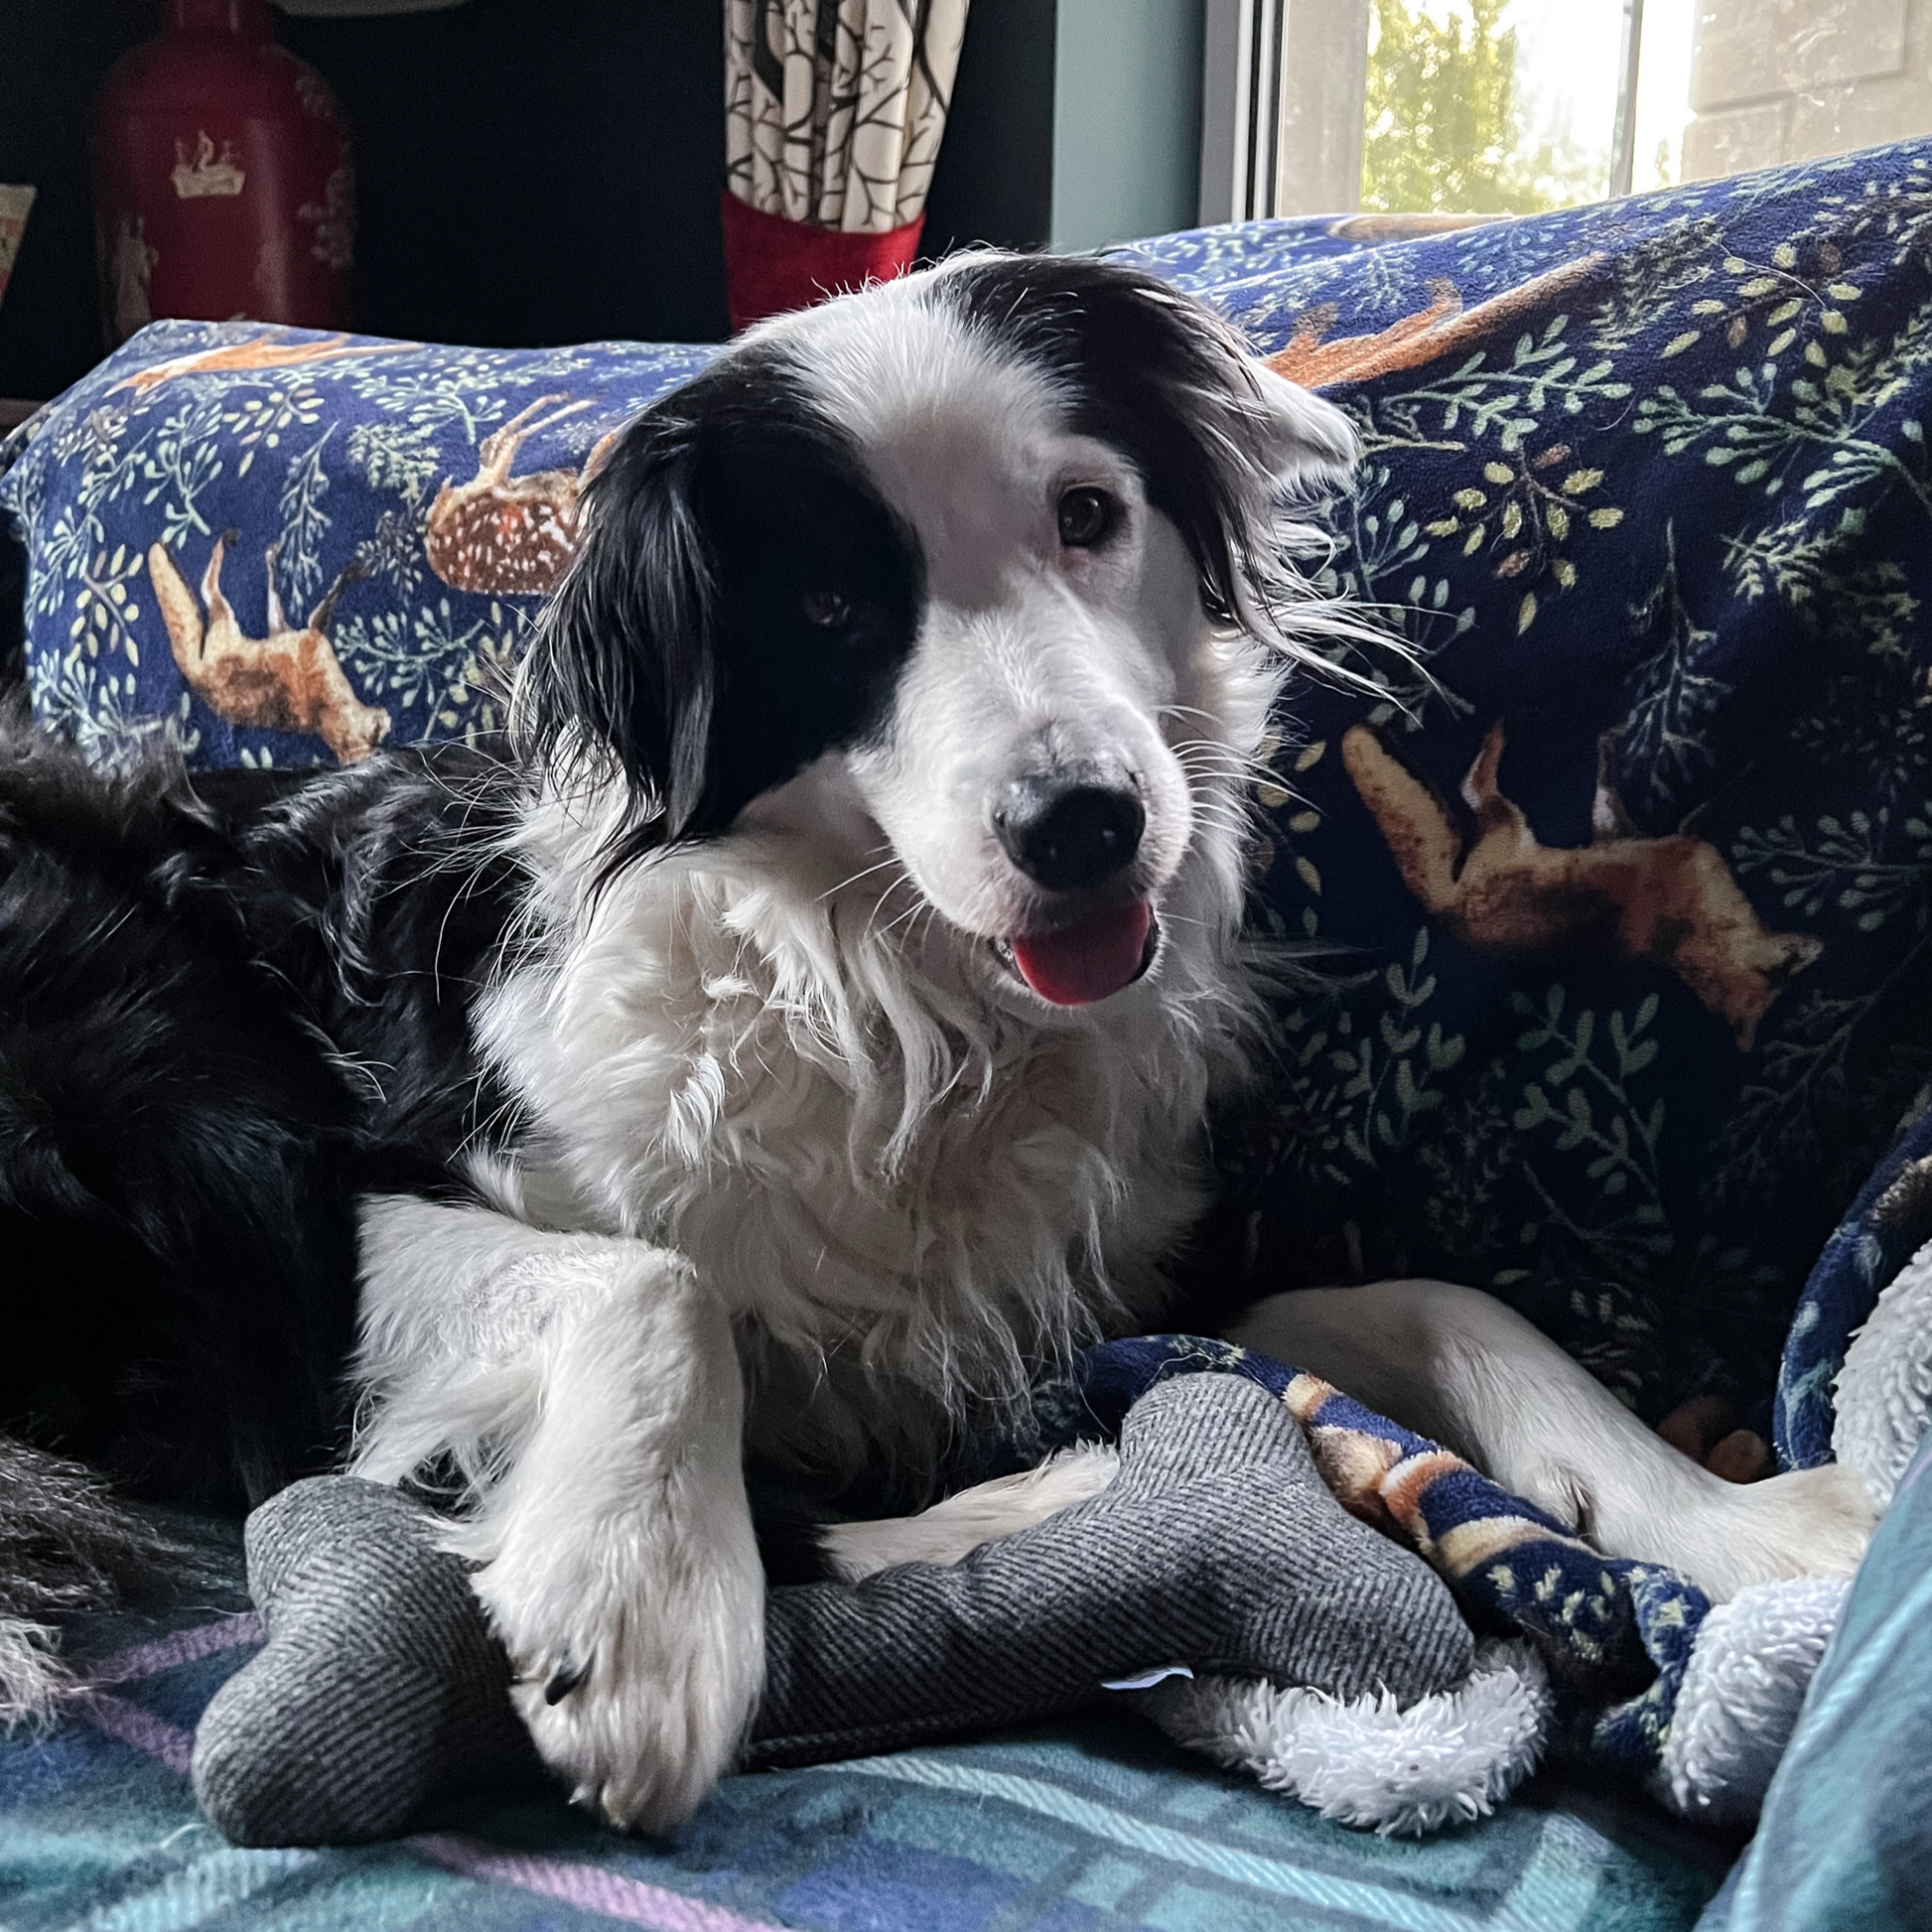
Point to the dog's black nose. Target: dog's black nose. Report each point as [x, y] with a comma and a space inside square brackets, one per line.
[1069, 835]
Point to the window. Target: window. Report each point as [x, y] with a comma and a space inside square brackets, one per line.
[1487, 106]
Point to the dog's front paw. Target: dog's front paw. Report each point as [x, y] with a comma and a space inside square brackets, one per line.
[638, 1679]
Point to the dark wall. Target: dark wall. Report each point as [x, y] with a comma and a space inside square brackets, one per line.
[534, 172]
[52, 53]
[995, 177]
[531, 171]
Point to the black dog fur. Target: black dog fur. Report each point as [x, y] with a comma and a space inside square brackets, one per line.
[227, 1006]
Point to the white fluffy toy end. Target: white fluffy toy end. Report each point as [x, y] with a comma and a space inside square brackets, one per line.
[1752, 1663]
[1364, 1762]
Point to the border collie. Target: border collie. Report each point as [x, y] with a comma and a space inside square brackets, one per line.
[802, 1041]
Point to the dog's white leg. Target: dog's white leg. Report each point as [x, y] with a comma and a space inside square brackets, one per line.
[1458, 1366]
[588, 1387]
[619, 1562]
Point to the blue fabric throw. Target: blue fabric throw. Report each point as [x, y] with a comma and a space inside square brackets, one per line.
[1094, 1826]
[1657, 529]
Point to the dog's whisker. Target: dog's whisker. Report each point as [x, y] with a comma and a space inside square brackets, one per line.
[886, 864]
[873, 931]
[911, 912]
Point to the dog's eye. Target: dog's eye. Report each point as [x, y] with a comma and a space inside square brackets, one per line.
[826, 608]
[1087, 517]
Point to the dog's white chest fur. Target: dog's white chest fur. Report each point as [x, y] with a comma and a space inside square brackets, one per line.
[904, 696]
[874, 1165]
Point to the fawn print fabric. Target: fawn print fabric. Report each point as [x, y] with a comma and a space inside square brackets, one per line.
[1615, 889]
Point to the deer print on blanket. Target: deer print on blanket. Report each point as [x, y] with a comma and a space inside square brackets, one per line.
[288, 680]
[1442, 327]
[256, 355]
[1671, 899]
[503, 535]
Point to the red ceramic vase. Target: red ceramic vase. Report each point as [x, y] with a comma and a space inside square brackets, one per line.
[224, 186]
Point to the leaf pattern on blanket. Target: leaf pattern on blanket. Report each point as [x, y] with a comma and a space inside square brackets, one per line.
[1668, 524]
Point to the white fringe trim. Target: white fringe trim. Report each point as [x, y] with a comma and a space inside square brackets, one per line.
[1884, 1389]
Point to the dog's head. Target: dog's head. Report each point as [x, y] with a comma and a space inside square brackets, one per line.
[956, 546]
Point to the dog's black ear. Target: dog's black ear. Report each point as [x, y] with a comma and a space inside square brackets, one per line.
[1222, 443]
[622, 670]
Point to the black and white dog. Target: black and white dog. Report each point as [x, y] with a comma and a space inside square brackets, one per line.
[805, 1038]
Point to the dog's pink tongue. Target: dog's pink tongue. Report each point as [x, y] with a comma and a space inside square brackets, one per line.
[1083, 963]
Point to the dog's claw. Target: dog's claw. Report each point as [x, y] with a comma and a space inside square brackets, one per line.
[563, 1680]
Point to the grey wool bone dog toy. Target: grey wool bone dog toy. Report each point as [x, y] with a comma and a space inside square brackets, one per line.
[380, 1691]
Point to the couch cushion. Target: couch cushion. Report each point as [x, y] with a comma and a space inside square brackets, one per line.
[408, 503]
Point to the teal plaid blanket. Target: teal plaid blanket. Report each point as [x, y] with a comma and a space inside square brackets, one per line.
[1098, 1828]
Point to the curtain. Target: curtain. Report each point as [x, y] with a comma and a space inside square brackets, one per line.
[835, 109]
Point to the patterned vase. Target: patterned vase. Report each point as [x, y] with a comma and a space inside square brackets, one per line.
[224, 186]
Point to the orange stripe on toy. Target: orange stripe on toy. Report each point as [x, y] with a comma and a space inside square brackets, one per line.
[1466, 1547]
[1354, 1466]
[1304, 1397]
[1404, 1484]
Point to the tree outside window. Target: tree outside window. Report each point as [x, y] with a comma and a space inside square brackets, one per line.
[1446, 126]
